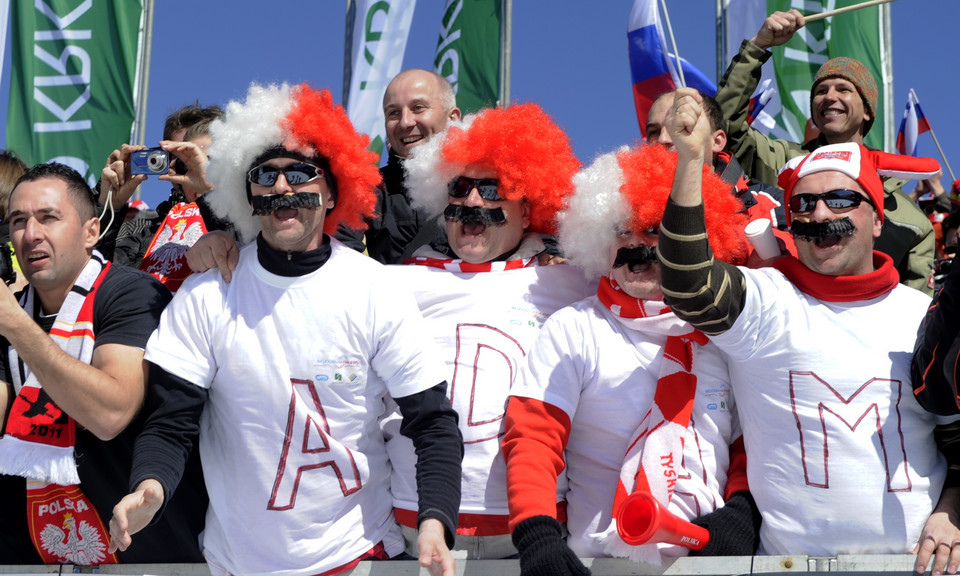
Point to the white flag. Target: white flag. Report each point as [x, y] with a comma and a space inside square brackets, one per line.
[377, 33]
[4, 19]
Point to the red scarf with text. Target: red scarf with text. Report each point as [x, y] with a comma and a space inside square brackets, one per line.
[39, 438]
[654, 458]
[882, 280]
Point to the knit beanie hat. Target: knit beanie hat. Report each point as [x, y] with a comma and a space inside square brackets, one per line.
[858, 75]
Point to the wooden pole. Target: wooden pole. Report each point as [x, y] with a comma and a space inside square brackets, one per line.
[822, 15]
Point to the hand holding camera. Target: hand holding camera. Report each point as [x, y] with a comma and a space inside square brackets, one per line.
[117, 176]
[187, 167]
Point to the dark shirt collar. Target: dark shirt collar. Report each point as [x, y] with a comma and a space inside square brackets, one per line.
[292, 264]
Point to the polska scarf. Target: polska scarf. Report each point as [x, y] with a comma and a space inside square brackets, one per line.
[882, 280]
[39, 437]
[653, 461]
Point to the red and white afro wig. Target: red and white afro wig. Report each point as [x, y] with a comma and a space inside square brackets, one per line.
[305, 121]
[529, 155]
[628, 190]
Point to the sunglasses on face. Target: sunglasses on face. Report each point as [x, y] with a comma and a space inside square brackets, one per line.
[835, 200]
[461, 186]
[299, 173]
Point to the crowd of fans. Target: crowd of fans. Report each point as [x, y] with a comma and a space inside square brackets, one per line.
[484, 349]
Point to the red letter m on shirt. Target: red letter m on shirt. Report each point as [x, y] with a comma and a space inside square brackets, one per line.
[828, 422]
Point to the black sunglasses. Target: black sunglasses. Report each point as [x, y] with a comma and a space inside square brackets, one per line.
[299, 173]
[461, 186]
[835, 200]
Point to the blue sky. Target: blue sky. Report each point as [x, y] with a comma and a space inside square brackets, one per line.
[569, 56]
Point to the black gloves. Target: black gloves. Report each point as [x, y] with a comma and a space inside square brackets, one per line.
[734, 529]
[543, 551]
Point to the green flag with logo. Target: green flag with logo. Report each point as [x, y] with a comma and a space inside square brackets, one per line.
[72, 80]
[858, 34]
[468, 52]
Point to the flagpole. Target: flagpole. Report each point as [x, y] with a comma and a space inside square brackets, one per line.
[138, 134]
[506, 29]
[721, 42]
[942, 155]
[676, 53]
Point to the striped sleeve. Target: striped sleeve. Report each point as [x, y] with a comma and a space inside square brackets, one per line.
[707, 293]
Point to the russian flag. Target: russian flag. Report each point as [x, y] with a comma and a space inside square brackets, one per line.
[652, 68]
[913, 124]
[759, 100]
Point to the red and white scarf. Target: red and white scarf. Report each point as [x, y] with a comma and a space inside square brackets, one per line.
[39, 438]
[654, 459]
[526, 255]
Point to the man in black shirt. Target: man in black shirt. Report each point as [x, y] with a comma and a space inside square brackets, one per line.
[74, 381]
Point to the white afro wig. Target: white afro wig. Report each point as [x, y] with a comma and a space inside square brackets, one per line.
[588, 226]
[426, 173]
[247, 129]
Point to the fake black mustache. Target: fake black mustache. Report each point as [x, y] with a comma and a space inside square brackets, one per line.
[270, 203]
[812, 231]
[635, 256]
[474, 215]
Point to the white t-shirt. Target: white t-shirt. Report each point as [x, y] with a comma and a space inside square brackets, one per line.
[840, 456]
[604, 375]
[299, 372]
[481, 326]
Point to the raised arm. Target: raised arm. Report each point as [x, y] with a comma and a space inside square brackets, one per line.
[759, 155]
[706, 292]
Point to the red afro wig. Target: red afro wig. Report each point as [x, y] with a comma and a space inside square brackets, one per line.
[530, 155]
[648, 178]
[316, 123]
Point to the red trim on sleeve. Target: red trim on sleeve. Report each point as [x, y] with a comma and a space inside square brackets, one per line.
[535, 434]
[737, 473]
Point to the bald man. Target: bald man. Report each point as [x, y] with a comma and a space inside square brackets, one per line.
[416, 105]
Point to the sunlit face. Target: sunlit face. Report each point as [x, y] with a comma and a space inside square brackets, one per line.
[656, 128]
[644, 281]
[478, 243]
[51, 242]
[413, 111]
[852, 255]
[838, 111]
[294, 229]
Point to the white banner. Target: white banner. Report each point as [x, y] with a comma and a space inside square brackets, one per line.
[377, 38]
[4, 21]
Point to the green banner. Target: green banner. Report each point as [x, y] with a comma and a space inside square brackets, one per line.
[73, 73]
[468, 52]
[858, 34]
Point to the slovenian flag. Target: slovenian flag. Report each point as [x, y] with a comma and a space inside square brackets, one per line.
[914, 124]
[652, 67]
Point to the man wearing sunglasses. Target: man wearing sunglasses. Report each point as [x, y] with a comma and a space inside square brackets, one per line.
[498, 179]
[843, 106]
[842, 458]
[294, 363]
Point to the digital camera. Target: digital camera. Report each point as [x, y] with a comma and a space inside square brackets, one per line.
[151, 161]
